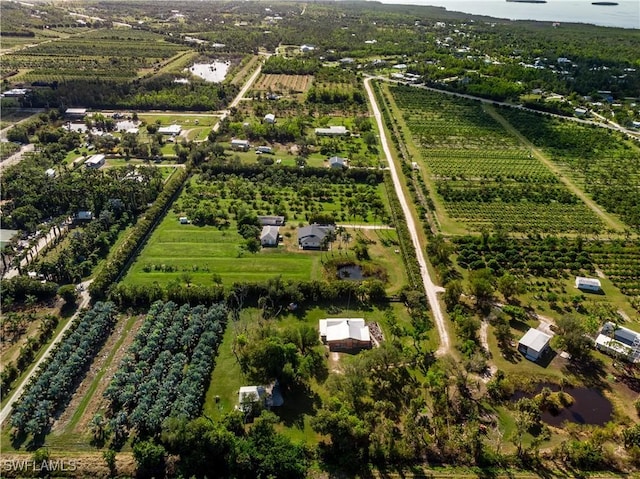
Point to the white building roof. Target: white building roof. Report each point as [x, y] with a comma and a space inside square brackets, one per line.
[50, 172]
[270, 117]
[170, 130]
[239, 142]
[270, 232]
[613, 345]
[593, 282]
[337, 329]
[76, 111]
[94, 160]
[332, 130]
[535, 340]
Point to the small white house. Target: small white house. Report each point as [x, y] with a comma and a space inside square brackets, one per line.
[344, 334]
[270, 118]
[269, 235]
[337, 162]
[588, 284]
[240, 145]
[170, 130]
[95, 161]
[534, 344]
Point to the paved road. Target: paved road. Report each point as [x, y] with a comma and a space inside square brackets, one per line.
[610, 125]
[83, 303]
[430, 288]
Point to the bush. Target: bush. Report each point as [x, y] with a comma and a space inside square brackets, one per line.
[68, 293]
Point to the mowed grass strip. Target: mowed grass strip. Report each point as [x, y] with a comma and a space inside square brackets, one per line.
[203, 251]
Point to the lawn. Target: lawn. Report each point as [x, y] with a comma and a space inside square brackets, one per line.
[202, 251]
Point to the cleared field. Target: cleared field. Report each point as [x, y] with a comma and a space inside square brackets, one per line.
[484, 176]
[282, 83]
[202, 251]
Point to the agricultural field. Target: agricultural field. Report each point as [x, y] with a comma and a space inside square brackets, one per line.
[91, 55]
[217, 248]
[288, 84]
[604, 163]
[483, 176]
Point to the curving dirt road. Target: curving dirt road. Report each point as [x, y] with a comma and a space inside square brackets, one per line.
[430, 288]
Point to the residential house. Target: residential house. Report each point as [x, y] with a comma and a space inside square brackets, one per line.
[332, 131]
[345, 334]
[271, 220]
[172, 130]
[588, 284]
[270, 235]
[95, 161]
[337, 162]
[534, 344]
[619, 341]
[314, 236]
[265, 396]
[240, 145]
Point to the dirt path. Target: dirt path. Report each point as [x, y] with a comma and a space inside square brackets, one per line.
[484, 340]
[84, 302]
[77, 415]
[608, 220]
[430, 288]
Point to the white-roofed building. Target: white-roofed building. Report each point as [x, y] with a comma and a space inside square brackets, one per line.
[267, 396]
[51, 173]
[534, 344]
[269, 235]
[345, 334]
[170, 130]
[75, 112]
[588, 284]
[95, 161]
[240, 145]
[332, 131]
[270, 118]
[619, 341]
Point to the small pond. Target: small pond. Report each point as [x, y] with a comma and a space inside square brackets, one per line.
[589, 406]
[351, 271]
[213, 72]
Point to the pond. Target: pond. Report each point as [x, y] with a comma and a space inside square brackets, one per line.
[351, 272]
[213, 72]
[589, 406]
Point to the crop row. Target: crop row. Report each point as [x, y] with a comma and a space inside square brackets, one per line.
[167, 368]
[55, 382]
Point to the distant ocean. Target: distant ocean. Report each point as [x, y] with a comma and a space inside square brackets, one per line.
[624, 15]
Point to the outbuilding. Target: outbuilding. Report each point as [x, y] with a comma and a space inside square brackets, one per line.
[75, 112]
[332, 131]
[534, 344]
[240, 145]
[270, 118]
[170, 130]
[95, 161]
[588, 284]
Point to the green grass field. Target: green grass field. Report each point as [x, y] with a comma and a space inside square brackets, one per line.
[202, 251]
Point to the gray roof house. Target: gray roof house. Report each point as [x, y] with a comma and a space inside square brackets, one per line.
[269, 235]
[534, 344]
[337, 162]
[313, 236]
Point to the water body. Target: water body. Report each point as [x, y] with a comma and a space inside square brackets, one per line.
[352, 272]
[213, 72]
[624, 15]
[589, 406]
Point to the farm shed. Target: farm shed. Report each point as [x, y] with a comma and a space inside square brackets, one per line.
[619, 341]
[307, 48]
[75, 112]
[264, 149]
[271, 220]
[269, 396]
[51, 173]
[270, 118]
[84, 216]
[588, 284]
[345, 334]
[332, 131]
[95, 161]
[534, 344]
[269, 235]
[240, 145]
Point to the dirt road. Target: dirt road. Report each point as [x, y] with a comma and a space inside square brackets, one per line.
[430, 288]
